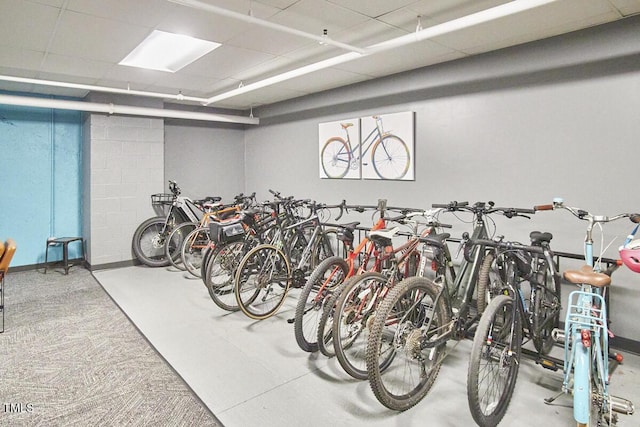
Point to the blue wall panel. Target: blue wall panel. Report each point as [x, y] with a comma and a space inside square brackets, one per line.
[40, 160]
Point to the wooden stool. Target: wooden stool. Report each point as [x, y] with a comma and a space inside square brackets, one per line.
[64, 241]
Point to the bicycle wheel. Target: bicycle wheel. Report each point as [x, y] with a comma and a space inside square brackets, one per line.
[262, 281]
[546, 307]
[493, 276]
[354, 313]
[173, 246]
[192, 248]
[220, 274]
[149, 240]
[494, 361]
[316, 292]
[335, 158]
[406, 320]
[325, 324]
[390, 157]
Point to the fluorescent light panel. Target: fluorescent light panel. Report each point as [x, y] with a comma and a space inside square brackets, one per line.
[167, 51]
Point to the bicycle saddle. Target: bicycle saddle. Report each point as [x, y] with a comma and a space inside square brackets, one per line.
[538, 237]
[436, 240]
[587, 276]
[383, 236]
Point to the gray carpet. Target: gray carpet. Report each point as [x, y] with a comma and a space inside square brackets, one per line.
[70, 357]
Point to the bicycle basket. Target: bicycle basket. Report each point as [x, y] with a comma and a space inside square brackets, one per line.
[226, 232]
[161, 203]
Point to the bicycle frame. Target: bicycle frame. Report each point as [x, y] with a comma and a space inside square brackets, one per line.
[367, 142]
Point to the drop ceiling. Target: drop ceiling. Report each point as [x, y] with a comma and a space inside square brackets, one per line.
[82, 41]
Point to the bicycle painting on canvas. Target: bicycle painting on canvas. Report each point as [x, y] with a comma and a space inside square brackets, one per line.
[374, 147]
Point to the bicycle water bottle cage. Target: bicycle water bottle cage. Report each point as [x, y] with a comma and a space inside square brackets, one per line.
[537, 237]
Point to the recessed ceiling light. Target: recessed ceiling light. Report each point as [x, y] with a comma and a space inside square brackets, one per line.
[167, 51]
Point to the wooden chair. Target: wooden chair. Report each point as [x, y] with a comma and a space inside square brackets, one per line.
[6, 255]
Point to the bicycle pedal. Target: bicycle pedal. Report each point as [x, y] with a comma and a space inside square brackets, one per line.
[548, 364]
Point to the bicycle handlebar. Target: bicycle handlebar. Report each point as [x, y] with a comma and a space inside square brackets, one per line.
[484, 208]
[582, 214]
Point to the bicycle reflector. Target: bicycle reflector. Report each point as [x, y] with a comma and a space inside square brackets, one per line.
[585, 335]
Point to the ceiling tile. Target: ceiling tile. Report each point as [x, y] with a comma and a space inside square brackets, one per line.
[29, 26]
[73, 66]
[372, 8]
[19, 58]
[226, 61]
[627, 7]
[146, 13]
[102, 39]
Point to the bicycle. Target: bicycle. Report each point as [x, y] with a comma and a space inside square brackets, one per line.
[150, 237]
[496, 351]
[586, 333]
[419, 316]
[371, 262]
[264, 275]
[330, 273]
[390, 155]
[198, 240]
[358, 299]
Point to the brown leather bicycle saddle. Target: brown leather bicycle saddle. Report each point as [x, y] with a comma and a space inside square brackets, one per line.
[587, 276]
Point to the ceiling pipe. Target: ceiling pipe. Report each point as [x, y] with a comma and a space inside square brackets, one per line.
[61, 104]
[195, 4]
[177, 97]
[467, 21]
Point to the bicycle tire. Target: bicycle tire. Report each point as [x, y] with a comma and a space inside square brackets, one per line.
[315, 293]
[148, 242]
[262, 281]
[219, 277]
[195, 242]
[335, 158]
[173, 246]
[546, 312]
[397, 334]
[325, 324]
[494, 361]
[351, 331]
[393, 160]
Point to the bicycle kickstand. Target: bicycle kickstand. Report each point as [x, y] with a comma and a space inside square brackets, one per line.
[550, 400]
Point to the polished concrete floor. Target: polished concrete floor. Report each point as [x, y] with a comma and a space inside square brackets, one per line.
[252, 373]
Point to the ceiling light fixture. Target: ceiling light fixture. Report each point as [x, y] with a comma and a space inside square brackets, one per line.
[169, 52]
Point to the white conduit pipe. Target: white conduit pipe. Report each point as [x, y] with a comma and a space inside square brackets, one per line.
[94, 107]
[430, 32]
[195, 4]
[177, 97]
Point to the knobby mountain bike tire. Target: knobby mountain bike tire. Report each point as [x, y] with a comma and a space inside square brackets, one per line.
[494, 361]
[407, 318]
[316, 292]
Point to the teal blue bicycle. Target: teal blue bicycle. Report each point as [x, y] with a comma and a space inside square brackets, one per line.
[586, 335]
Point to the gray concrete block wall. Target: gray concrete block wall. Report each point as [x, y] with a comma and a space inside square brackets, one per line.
[125, 166]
